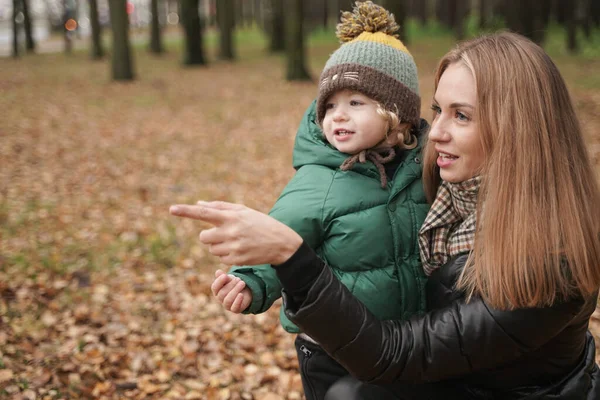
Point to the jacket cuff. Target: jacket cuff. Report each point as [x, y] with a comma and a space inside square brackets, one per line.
[300, 271]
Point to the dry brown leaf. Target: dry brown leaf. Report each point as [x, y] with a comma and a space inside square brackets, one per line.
[193, 395]
[272, 396]
[5, 375]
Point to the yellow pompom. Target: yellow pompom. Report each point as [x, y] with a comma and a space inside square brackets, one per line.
[365, 17]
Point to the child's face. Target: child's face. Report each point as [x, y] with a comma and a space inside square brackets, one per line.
[352, 124]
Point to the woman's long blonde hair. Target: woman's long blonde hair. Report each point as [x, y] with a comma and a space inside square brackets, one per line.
[538, 214]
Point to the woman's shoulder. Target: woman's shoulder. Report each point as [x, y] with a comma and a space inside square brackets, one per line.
[441, 284]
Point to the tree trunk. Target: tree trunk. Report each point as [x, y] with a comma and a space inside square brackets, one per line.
[560, 12]
[585, 17]
[421, 10]
[225, 17]
[248, 13]
[239, 14]
[398, 8]
[29, 42]
[462, 12]
[541, 16]
[257, 13]
[527, 17]
[572, 44]
[15, 26]
[451, 13]
[595, 13]
[325, 14]
[194, 52]
[444, 12]
[513, 11]
[155, 39]
[277, 27]
[571, 25]
[484, 14]
[338, 7]
[97, 49]
[294, 25]
[122, 64]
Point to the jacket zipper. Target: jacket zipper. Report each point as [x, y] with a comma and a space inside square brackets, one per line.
[304, 365]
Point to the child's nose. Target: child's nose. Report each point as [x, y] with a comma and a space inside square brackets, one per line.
[339, 113]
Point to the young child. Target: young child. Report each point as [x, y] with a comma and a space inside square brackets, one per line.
[357, 197]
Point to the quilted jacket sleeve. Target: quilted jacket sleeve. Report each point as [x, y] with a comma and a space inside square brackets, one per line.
[441, 344]
[300, 207]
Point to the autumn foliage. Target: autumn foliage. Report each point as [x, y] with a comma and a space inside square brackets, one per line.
[103, 294]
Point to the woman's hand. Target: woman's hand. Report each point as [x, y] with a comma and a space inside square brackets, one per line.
[241, 235]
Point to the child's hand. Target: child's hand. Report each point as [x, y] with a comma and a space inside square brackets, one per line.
[231, 292]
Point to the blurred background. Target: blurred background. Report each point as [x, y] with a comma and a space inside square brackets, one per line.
[27, 23]
[110, 111]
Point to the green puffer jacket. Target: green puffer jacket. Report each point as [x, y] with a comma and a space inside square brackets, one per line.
[367, 235]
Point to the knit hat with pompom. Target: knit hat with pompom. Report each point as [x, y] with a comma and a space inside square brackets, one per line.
[372, 61]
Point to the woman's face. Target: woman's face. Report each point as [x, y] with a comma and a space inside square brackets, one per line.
[454, 130]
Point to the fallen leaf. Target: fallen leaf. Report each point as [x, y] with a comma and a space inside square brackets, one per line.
[5, 375]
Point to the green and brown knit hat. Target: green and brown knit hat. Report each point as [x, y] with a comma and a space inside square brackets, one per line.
[373, 61]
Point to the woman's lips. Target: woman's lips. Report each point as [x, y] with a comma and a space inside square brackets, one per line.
[444, 160]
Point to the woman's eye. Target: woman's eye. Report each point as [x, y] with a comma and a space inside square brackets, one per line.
[436, 109]
[328, 106]
[355, 103]
[462, 117]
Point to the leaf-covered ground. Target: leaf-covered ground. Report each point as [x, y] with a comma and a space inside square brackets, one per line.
[102, 293]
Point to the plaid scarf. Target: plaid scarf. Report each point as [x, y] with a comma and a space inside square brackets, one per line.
[449, 228]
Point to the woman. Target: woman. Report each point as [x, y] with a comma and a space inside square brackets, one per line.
[511, 246]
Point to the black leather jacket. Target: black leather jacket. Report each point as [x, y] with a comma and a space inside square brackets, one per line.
[534, 353]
